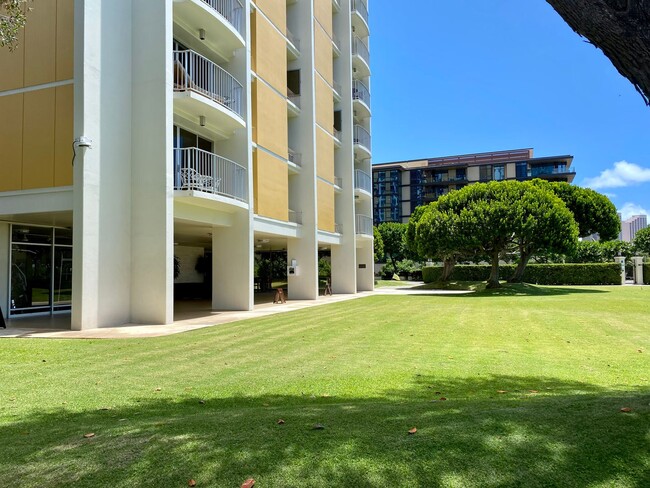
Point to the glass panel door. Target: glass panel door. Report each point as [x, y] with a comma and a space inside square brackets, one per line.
[31, 275]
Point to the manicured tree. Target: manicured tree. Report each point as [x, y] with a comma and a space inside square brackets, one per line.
[593, 211]
[612, 249]
[378, 245]
[642, 241]
[437, 235]
[392, 234]
[587, 252]
[409, 236]
[542, 223]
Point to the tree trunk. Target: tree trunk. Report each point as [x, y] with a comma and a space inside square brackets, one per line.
[620, 28]
[447, 268]
[518, 276]
[493, 282]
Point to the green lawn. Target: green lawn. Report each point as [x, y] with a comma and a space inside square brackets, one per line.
[533, 384]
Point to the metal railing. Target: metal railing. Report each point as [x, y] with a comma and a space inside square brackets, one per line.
[363, 225]
[231, 10]
[293, 98]
[193, 72]
[295, 157]
[295, 217]
[360, 92]
[196, 169]
[293, 40]
[362, 137]
[360, 49]
[361, 8]
[362, 181]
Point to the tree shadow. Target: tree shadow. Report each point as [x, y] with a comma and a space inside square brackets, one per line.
[477, 289]
[494, 431]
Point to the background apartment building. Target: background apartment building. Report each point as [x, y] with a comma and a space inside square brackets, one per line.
[202, 128]
[400, 187]
[631, 226]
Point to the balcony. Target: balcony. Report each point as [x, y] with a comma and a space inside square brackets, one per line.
[360, 16]
[201, 85]
[338, 136]
[362, 141]
[363, 225]
[360, 57]
[336, 46]
[551, 173]
[295, 217]
[362, 182]
[293, 46]
[295, 157]
[293, 103]
[203, 171]
[222, 21]
[361, 97]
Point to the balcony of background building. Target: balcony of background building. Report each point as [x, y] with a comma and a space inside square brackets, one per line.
[360, 21]
[360, 58]
[363, 225]
[361, 95]
[362, 181]
[221, 23]
[203, 171]
[362, 139]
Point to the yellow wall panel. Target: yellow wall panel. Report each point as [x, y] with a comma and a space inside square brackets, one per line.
[271, 125]
[11, 142]
[323, 54]
[38, 139]
[271, 186]
[324, 155]
[270, 54]
[254, 40]
[40, 44]
[325, 207]
[63, 135]
[254, 110]
[324, 105]
[276, 11]
[11, 63]
[64, 39]
[323, 14]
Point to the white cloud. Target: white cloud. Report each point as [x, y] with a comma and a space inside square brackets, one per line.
[621, 175]
[630, 209]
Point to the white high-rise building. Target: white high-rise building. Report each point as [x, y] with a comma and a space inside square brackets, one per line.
[197, 128]
[631, 226]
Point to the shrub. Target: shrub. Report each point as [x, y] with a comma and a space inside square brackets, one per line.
[541, 274]
[646, 273]
[387, 271]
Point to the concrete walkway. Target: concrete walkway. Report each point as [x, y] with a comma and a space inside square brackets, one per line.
[193, 319]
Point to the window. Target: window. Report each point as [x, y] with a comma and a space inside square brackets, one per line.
[485, 172]
[499, 172]
[522, 171]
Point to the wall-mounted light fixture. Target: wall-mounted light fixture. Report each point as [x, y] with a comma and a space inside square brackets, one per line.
[202, 34]
[202, 120]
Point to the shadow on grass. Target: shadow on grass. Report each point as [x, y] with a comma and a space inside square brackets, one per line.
[496, 431]
[508, 289]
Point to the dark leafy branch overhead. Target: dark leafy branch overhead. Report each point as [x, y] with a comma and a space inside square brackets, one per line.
[620, 28]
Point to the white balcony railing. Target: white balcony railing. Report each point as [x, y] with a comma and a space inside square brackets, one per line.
[196, 169]
[360, 49]
[360, 92]
[231, 10]
[363, 225]
[193, 72]
[361, 8]
[295, 157]
[362, 137]
[362, 181]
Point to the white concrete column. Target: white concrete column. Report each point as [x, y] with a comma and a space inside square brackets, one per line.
[152, 222]
[365, 265]
[304, 286]
[232, 264]
[638, 270]
[621, 262]
[5, 256]
[344, 276]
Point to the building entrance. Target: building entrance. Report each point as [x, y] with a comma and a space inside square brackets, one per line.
[40, 270]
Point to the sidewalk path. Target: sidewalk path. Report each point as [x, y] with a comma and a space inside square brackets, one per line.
[213, 318]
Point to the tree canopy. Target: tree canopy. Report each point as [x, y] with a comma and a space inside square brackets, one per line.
[378, 244]
[486, 219]
[392, 235]
[642, 241]
[12, 19]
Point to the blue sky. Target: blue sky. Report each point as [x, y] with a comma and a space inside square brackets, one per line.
[483, 75]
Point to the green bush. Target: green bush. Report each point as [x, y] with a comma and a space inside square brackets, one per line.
[387, 271]
[646, 273]
[541, 274]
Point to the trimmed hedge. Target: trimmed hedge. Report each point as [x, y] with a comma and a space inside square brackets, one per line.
[540, 274]
[646, 273]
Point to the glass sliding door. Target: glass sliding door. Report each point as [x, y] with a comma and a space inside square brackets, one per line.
[41, 270]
